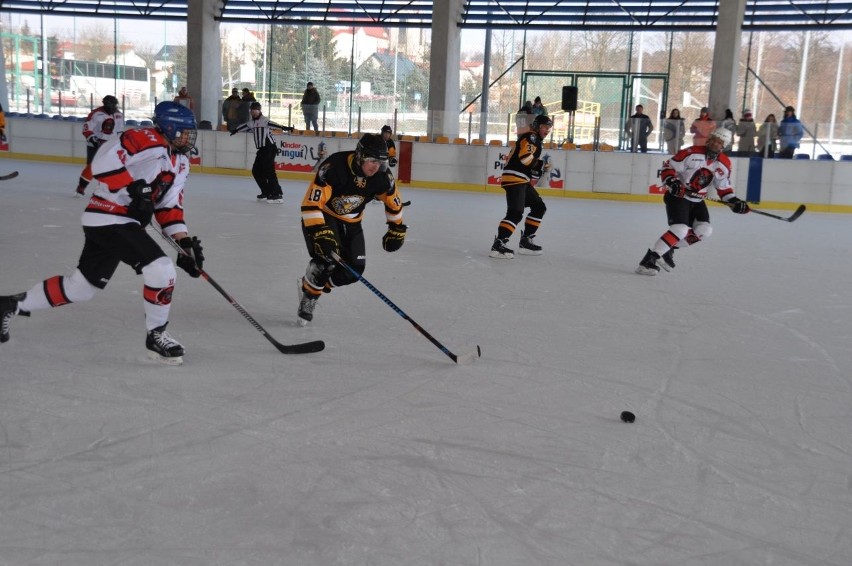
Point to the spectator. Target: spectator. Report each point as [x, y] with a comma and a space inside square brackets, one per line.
[638, 128]
[746, 130]
[387, 135]
[2, 125]
[231, 110]
[674, 131]
[184, 99]
[767, 136]
[790, 132]
[310, 107]
[245, 107]
[730, 124]
[702, 127]
[538, 108]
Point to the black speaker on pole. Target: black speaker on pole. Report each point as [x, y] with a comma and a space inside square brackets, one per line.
[569, 98]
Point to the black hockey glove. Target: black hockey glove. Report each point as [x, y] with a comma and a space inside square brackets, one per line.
[739, 206]
[537, 169]
[675, 187]
[394, 237]
[192, 260]
[392, 162]
[141, 207]
[324, 241]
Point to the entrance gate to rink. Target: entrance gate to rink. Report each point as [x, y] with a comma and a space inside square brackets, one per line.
[604, 102]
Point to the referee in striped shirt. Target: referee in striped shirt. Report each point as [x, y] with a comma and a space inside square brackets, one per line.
[263, 169]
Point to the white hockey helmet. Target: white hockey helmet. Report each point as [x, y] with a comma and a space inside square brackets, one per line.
[723, 134]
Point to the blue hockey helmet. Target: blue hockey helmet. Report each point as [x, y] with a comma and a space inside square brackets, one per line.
[177, 123]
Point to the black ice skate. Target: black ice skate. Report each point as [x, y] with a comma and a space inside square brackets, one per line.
[163, 348]
[499, 249]
[648, 265]
[307, 304]
[275, 198]
[8, 309]
[666, 261]
[527, 246]
[80, 192]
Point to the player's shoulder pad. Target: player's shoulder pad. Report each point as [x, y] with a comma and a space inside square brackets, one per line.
[724, 160]
[141, 139]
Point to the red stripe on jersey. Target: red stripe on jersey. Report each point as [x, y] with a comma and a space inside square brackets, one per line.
[54, 292]
[140, 139]
[168, 216]
[103, 206]
[115, 180]
[157, 296]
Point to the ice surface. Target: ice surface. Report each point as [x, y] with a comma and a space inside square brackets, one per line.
[380, 450]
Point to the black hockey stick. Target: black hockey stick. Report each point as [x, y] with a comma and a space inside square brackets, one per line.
[464, 358]
[797, 213]
[11, 175]
[303, 348]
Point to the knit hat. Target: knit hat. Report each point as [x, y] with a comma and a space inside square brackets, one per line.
[746, 113]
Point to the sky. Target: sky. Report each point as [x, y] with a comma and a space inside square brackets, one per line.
[380, 450]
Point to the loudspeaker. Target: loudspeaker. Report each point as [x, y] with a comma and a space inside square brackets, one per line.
[569, 98]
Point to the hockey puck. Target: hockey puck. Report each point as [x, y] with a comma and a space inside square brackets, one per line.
[627, 416]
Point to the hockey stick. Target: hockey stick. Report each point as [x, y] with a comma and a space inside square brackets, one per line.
[464, 358]
[797, 213]
[303, 348]
[11, 175]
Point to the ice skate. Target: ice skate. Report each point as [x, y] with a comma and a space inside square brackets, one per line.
[275, 199]
[8, 309]
[80, 192]
[307, 304]
[666, 261]
[163, 348]
[499, 249]
[527, 246]
[648, 265]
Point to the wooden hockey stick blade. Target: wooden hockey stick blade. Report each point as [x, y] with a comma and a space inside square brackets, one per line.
[11, 175]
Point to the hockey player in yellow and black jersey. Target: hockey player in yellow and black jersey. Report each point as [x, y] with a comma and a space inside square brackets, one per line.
[523, 168]
[332, 210]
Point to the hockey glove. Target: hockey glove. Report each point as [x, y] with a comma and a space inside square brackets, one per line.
[94, 142]
[192, 259]
[392, 162]
[675, 187]
[739, 206]
[537, 169]
[141, 207]
[394, 237]
[324, 242]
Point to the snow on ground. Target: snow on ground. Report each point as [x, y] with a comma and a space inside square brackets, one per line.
[380, 450]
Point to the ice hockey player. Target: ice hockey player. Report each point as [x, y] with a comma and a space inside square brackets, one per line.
[139, 175]
[263, 169]
[331, 217]
[387, 135]
[687, 175]
[520, 174]
[102, 124]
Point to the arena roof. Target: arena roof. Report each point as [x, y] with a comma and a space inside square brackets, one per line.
[648, 15]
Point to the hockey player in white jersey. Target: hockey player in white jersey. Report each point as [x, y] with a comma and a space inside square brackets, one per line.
[139, 175]
[687, 175]
[102, 124]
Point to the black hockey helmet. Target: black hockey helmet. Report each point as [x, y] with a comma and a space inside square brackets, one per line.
[110, 104]
[541, 120]
[387, 129]
[371, 146]
[254, 105]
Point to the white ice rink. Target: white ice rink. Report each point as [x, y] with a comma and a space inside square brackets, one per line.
[380, 451]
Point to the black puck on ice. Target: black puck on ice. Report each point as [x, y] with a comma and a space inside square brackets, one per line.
[627, 416]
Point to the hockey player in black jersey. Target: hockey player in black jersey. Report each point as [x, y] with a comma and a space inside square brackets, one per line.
[263, 169]
[520, 174]
[387, 135]
[331, 217]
